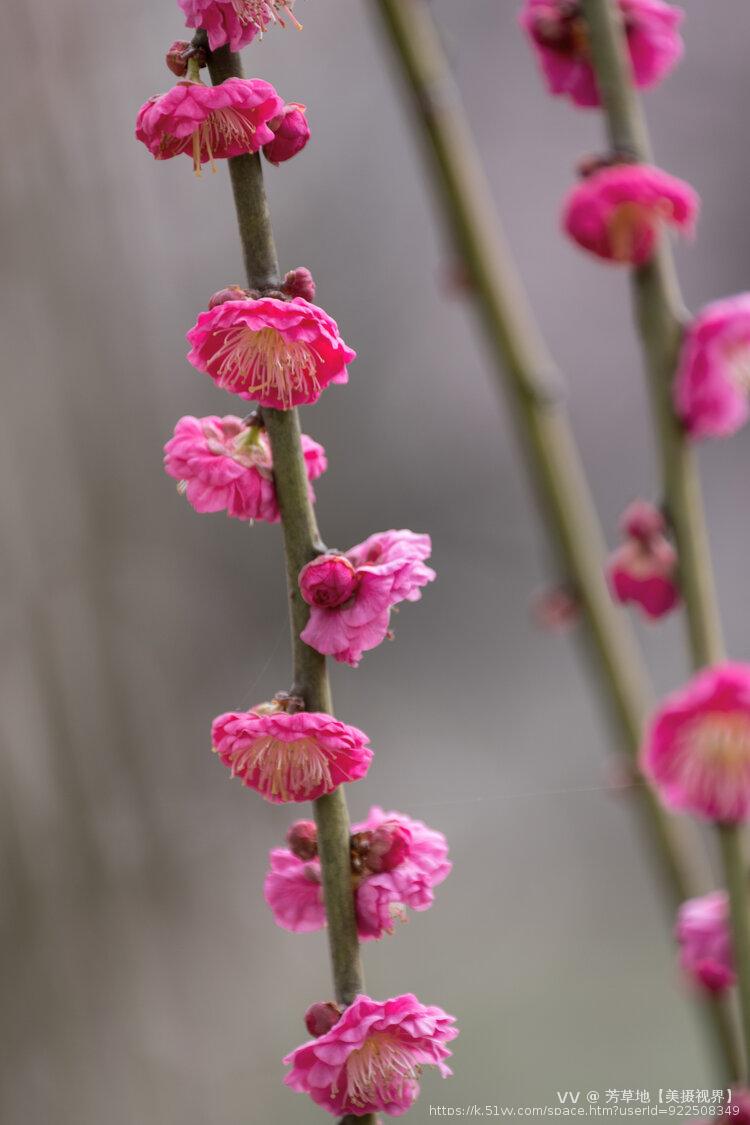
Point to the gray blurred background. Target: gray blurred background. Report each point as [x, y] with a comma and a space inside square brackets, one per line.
[143, 977]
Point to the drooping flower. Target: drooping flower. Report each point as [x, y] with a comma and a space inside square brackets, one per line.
[643, 569]
[209, 123]
[617, 212]
[712, 385]
[290, 135]
[697, 748]
[396, 863]
[559, 35]
[293, 888]
[370, 1061]
[290, 755]
[279, 353]
[351, 595]
[224, 464]
[703, 935]
[236, 22]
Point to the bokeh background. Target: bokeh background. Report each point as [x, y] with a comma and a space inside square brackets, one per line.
[143, 977]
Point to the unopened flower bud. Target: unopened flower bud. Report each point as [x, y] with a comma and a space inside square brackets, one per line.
[291, 134]
[174, 57]
[328, 581]
[643, 569]
[299, 283]
[229, 293]
[321, 1017]
[302, 839]
[643, 521]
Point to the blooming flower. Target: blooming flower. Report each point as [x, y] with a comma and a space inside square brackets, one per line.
[703, 935]
[236, 22]
[290, 135]
[351, 595]
[697, 748]
[209, 123]
[559, 35]
[223, 464]
[712, 385]
[290, 755]
[643, 569]
[371, 1059]
[280, 353]
[617, 211]
[396, 863]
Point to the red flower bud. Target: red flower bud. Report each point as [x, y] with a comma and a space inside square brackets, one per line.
[174, 60]
[302, 839]
[229, 293]
[321, 1017]
[299, 283]
[328, 581]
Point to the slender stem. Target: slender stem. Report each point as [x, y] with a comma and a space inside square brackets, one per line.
[527, 373]
[730, 838]
[660, 314]
[301, 543]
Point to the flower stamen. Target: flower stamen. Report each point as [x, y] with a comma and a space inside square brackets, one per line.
[263, 363]
[284, 768]
[379, 1072]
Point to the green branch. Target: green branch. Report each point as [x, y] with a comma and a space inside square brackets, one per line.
[301, 544]
[528, 376]
[660, 316]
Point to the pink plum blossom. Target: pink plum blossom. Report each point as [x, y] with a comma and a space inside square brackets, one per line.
[236, 22]
[280, 353]
[697, 747]
[389, 567]
[703, 935]
[712, 385]
[293, 888]
[616, 212]
[290, 135]
[209, 123]
[371, 1059]
[290, 756]
[558, 33]
[223, 464]
[396, 863]
[643, 569]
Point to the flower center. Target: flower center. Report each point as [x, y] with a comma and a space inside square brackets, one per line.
[222, 127]
[738, 358]
[284, 768]
[263, 362]
[380, 1071]
[628, 223]
[722, 741]
[715, 757]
